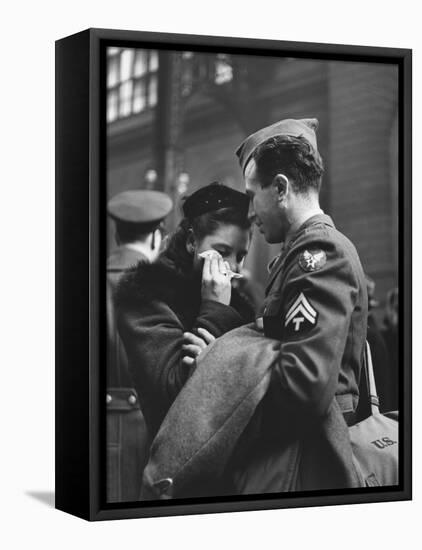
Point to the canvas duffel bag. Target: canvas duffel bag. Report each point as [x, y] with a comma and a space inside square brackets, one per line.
[375, 440]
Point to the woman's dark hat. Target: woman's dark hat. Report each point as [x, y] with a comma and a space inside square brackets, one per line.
[213, 197]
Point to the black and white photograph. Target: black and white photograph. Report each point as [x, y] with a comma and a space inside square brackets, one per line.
[254, 275]
[210, 284]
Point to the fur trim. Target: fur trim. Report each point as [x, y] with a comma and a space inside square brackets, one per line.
[158, 281]
[162, 281]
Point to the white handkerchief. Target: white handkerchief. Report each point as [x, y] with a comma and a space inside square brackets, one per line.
[212, 252]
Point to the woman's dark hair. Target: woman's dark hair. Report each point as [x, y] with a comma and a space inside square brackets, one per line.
[292, 156]
[201, 226]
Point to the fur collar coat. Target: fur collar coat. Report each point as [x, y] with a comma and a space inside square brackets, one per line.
[155, 304]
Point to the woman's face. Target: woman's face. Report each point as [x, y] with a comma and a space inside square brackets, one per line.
[231, 241]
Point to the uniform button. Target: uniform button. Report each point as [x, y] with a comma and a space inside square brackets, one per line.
[109, 399]
[131, 399]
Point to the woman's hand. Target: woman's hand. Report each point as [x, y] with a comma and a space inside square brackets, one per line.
[195, 345]
[216, 281]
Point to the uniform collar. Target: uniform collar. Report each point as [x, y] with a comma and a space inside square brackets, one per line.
[276, 263]
[318, 218]
[274, 260]
[124, 257]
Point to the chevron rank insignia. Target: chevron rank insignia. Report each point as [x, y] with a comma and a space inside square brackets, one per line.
[301, 315]
[312, 260]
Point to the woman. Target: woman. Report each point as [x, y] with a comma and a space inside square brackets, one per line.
[182, 292]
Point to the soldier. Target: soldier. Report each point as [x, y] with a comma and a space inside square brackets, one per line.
[316, 297]
[138, 216]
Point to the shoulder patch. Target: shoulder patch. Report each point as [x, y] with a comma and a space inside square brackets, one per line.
[312, 260]
[301, 315]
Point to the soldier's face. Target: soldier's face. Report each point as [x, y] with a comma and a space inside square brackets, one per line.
[231, 241]
[265, 210]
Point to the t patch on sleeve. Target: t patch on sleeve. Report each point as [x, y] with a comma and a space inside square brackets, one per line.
[301, 315]
[312, 260]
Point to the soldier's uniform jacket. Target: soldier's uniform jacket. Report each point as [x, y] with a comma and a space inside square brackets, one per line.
[127, 437]
[121, 259]
[316, 304]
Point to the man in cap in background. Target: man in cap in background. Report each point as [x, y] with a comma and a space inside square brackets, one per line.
[138, 217]
[316, 297]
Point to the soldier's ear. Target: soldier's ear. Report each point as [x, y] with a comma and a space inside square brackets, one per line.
[281, 184]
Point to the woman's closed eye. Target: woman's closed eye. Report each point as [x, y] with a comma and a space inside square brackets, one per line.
[223, 251]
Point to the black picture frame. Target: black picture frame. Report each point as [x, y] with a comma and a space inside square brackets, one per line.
[80, 267]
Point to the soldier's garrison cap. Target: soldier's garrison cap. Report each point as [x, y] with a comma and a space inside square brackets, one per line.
[305, 127]
[140, 206]
[213, 197]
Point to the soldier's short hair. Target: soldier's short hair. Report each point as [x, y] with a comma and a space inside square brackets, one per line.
[127, 233]
[293, 156]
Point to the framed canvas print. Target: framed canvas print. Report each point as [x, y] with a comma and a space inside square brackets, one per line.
[233, 274]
